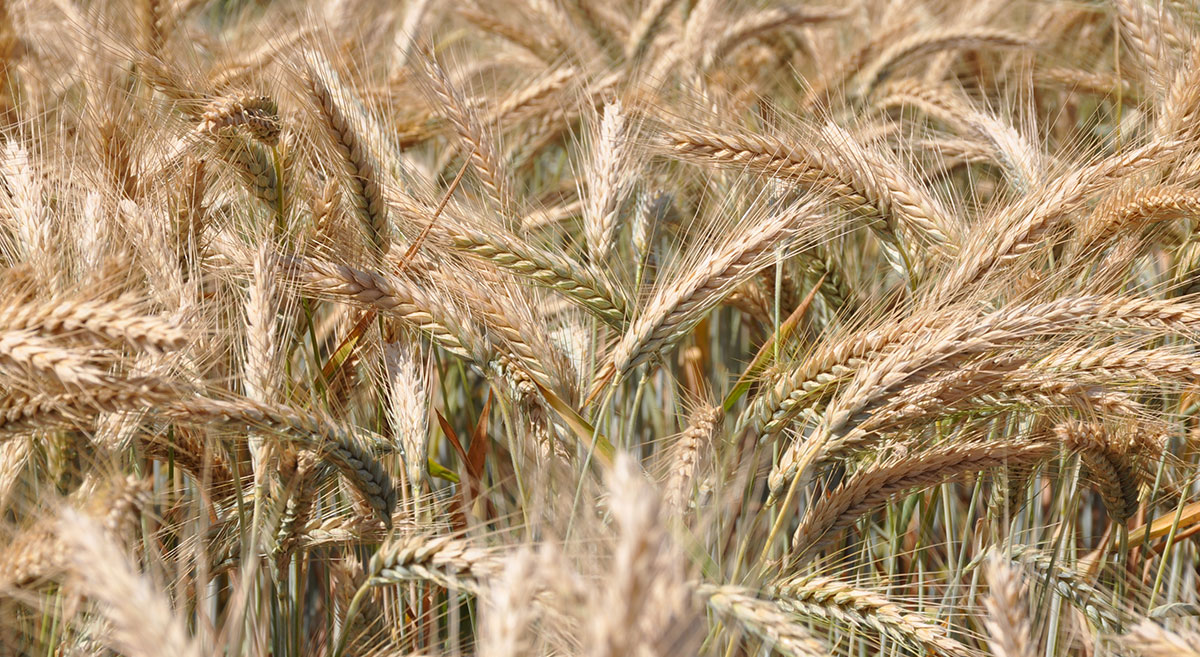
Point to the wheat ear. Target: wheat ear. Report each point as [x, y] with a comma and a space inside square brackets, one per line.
[1149, 639]
[118, 320]
[756, 24]
[1070, 584]
[141, 618]
[688, 454]
[1009, 631]
[924, 43]
[259, 114]
[449, 562]
[582, 282]
[842, 169]
[609, 175]
[825, 598]
[341, 117]
[1108, 463]
[1024, 227]
[642, 32]
[398, 297]
[483, 157]
[674, 310]
[764, 619]
[876, 485]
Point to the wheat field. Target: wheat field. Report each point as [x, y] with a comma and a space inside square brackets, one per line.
[599, 328]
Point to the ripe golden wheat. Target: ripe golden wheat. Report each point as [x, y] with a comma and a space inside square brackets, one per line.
[609, 328]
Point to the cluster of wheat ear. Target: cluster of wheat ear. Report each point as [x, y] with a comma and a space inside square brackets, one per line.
[599, 327]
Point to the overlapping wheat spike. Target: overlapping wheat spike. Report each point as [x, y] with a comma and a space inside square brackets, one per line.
[600, 328]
